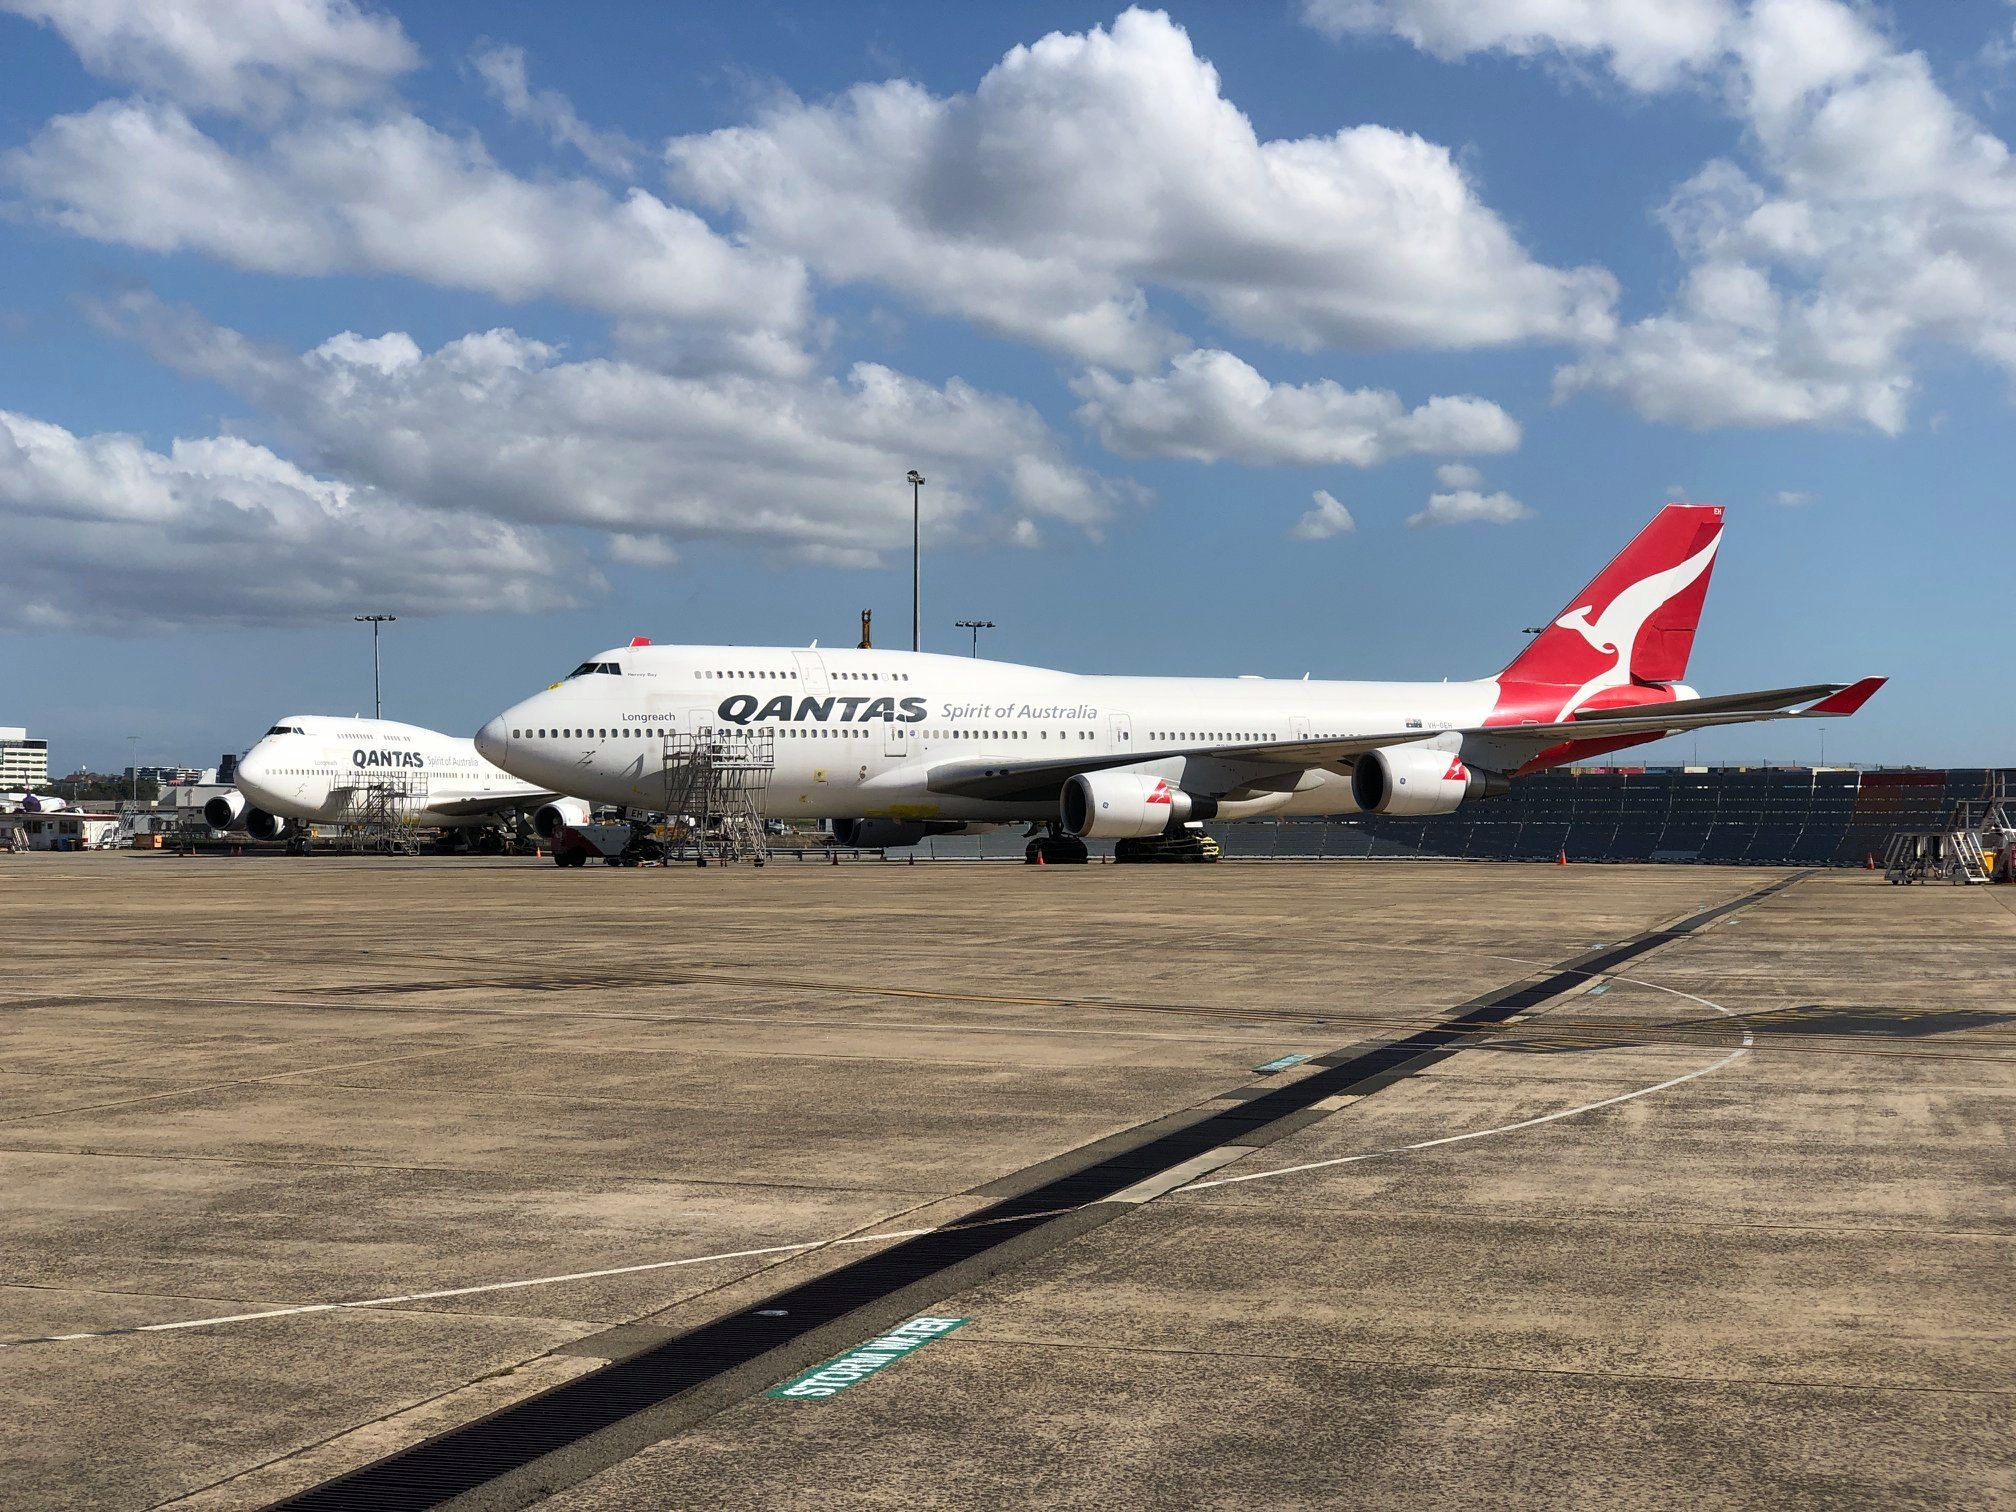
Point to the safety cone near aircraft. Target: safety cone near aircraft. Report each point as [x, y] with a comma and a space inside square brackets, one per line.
[892, 746]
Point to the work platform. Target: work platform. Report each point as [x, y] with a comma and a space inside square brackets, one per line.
[491, 1129]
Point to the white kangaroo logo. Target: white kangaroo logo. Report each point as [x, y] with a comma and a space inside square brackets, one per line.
[1616, 629]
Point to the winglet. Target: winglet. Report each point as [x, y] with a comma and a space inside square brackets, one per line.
[1850, 698]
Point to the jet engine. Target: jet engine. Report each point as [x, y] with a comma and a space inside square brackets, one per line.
[1126, 806]
[226, 811]
[886, 834]
[261, 825]
[1408, 781]
[550, 819]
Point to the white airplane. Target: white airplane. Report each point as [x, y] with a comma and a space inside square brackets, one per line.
[32, 803]
[894, 745]
[309, 769]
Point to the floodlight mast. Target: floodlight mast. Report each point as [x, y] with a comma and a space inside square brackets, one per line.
[916, 482]
[374, 621]
[976, 626]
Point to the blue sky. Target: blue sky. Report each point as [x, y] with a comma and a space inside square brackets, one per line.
[650, 307]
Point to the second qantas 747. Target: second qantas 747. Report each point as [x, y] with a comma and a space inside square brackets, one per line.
[895, 745]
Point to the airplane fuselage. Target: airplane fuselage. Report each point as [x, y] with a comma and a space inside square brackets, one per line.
[855, 733]
[310, 768]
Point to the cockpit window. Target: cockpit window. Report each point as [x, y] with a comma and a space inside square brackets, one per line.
[285, 730]
[586, 668]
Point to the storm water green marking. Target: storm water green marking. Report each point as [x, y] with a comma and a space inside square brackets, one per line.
[1281, 1063]
[837, 1374]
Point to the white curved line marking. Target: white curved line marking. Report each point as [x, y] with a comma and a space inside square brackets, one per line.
[1511, 1128]
[465, 1291]
[813, 1244]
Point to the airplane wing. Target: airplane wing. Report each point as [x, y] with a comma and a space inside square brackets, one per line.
[1021, 781]
[463, 808]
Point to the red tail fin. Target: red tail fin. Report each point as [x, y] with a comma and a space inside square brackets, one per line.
[1636, 621]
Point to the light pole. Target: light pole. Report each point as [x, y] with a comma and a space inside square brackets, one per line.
[916, 481]
[133, 770]
[976, 626]
[374, 621]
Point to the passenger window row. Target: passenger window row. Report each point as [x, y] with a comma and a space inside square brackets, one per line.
[791, 676]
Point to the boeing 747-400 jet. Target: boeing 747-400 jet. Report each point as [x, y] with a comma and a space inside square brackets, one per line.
[896, 745]
[310, 769]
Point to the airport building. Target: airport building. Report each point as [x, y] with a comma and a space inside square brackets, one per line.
[24, 763]
[165, 776]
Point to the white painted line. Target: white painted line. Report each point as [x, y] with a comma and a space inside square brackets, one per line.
[469, 1291]
[1173, 1179]
[1179, 1175]
[1511, 1128]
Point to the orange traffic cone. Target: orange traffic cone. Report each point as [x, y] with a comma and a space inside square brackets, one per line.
[1869, 861]
[836, 857]
[1040, 859]
[1562, 859]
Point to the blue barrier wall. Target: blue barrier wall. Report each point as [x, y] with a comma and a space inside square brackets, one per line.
[1776, 816]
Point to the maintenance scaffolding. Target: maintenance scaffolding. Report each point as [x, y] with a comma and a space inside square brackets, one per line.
[378, 815]
[716, 782]
[1978, 844]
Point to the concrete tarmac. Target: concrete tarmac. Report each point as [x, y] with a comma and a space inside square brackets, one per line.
[1767, 1262]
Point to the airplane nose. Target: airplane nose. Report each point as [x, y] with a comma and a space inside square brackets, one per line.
[251, 774]
[493, 741]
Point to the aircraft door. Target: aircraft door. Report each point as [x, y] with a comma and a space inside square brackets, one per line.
[896, 740]
[1122, 733]
[1298, 727]
[811, 672]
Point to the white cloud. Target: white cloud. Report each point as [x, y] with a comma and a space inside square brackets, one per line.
[502, 70]
[393, 195]
[104, 532]
[238, 57]
[1458, 475]
[1792, 498]
[643, 551]
[1646, 44]
[1465, 506]
[1329, 518]
[1086, 170]
[498, 423]
[1211, 406]
[1877, 218]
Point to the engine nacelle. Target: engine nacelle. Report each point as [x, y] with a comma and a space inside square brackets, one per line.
[886, 834]
[1123, 805]
[261, 825]
[1408, 781]
[226, 811]
[551, 818]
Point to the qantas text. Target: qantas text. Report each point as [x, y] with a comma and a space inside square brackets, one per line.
[742, 709]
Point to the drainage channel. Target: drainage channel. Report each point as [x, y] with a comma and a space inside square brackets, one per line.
[561, 1436]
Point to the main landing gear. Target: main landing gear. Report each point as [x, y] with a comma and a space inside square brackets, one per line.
[1056, 849]
[1177, 845]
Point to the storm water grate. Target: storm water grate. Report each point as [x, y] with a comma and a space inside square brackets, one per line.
[466, 1458]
